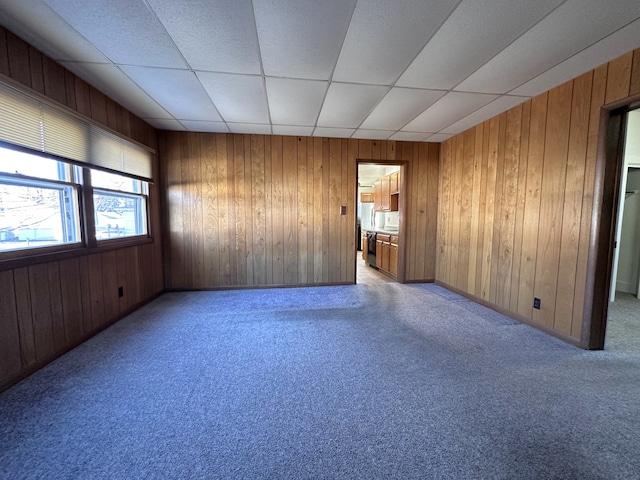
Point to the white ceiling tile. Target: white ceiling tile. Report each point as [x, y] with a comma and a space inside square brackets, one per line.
[409, 136]
[293, 130]
[373, 134]
[399, 106]
[475, 32]
[447, 110]
[346, 105]
[301, 38]
[616, 44]
[126, 32]
[113, 82]
[179, 91]
[499, 105]
[199, 27]
[239, 98]
[250, 128]
[573, 26]
[383, 39]
[165, 124]
[200, 126]
[333, 132]
[438, 137]
[295, 102]
[37, 24]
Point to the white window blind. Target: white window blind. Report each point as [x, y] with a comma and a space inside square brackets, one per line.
[29, 122]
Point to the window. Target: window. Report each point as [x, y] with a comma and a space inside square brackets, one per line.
[120, 205]
[48, 156]
[38, 202]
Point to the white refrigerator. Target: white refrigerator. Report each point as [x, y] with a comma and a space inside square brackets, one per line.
[365, 215]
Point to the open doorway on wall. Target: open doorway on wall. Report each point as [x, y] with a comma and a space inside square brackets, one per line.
[623, 322]
[379, 205]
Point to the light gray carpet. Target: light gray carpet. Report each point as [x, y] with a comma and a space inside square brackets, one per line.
[387, 381]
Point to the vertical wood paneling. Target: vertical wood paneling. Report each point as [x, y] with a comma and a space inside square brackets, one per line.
[301, 203]
[532, 205]
[258, 209]
[225, 218]
[18, 56]
[310, 212]
[121, 276]
[248, 212]
[553, 183]
[456, 217]
[57, 316]
[634, 82]
[532, 228]
[497, 209]
[41, 311]
[85, 289]
[346, 243]
[490, 152]
[466, 191]
[412, 240]
[277, 210]
[71, 299]
[283, 197]
[110, 285]
[25, 316]
[352, 179]
[509, 182]
[54, 81]
[210, 211]
[520, 205]
[442, 258]
[10, 361]
[194, 206]
[36, 70]
[482, 145]
[53, 305]
[318, 204]
[572, 208]
[619, 78]
[4, 54]
[597, 100]
[335, 173]
[327, 253]
[475, 209]
[421, 171]
[290, 217]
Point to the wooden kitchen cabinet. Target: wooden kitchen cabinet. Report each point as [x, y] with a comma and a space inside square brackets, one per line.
[394, 185]
[393, 259]
[384, 198]
[365, 246]
[366, 197]
[377, 195]
[387, 253]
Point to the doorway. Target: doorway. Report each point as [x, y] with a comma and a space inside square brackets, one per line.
[623, 315]
[380, 206]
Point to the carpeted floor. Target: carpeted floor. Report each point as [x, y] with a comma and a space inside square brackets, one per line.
[384, 381]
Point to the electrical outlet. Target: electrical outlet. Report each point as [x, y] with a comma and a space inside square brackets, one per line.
[343, 209]
[536, 303]
[120, 292]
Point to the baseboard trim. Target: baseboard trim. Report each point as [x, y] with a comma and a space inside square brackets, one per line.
[515, 316]
[9, 382]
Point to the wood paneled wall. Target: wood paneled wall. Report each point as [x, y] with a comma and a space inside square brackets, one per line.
[255, 210]
[48, 307]
[517, 197]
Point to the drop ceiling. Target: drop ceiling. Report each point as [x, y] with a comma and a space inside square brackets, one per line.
[419, 70]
